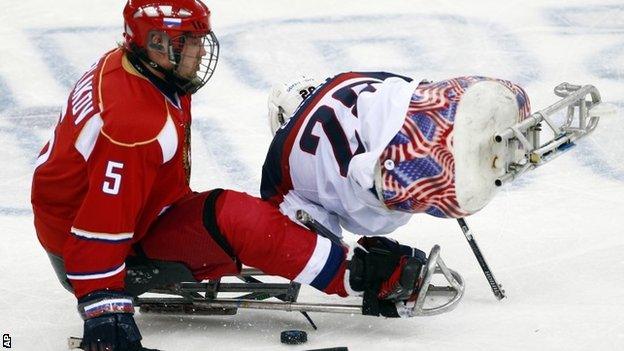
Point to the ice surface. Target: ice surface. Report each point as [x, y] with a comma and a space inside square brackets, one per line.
[554, 238]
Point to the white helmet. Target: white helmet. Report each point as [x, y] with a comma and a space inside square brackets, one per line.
[284, 99]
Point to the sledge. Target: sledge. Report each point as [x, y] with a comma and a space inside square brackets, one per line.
[214, 297]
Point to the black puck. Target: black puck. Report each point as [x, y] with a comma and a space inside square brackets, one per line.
[293, 337]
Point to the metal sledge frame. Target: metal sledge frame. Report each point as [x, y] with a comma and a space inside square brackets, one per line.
[525, 135]
[202, 297]
[191, 296]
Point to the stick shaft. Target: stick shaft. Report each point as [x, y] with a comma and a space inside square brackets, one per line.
[496, 288]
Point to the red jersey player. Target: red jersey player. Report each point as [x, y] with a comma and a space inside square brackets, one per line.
[113, 182]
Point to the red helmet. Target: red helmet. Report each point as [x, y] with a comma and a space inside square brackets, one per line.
[177, 19]
[174, 17]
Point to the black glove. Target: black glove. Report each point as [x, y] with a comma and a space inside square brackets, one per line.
[373, 264]
[109, 323]
[390, 246]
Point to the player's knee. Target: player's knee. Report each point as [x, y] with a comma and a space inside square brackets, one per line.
[237, 220]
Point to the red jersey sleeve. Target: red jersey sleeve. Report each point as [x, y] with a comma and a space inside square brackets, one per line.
[120, 178]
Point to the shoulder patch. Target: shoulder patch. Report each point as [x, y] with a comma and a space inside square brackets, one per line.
[168, 140]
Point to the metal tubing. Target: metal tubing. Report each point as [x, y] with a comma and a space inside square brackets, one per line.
[509, 176]
[241, 287]
[259, 305]
[527, 132]
[542, 115]
[251, 271]
[302, 307]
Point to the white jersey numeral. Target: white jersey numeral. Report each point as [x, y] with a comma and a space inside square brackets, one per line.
[113, 180]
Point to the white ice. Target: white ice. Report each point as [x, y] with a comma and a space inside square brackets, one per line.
[554, 238]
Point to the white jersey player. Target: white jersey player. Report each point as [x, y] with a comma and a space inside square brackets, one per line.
[313, 161]
[364, 151]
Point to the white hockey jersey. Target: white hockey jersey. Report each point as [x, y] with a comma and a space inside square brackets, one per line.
[323, 160]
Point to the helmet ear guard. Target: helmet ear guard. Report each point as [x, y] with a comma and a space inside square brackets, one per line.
[161, 42]
[158, 46]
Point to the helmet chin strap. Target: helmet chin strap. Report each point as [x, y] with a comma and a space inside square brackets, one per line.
[185, 85]
[182, 85]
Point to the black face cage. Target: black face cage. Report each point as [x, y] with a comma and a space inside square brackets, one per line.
[206, 66]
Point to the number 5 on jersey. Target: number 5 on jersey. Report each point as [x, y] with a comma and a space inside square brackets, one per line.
[112, 182]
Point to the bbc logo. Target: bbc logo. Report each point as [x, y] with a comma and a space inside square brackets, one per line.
[6, 341]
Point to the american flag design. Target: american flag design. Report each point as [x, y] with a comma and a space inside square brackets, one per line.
[417, 166]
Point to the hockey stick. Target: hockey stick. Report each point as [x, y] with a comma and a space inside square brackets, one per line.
[317, 227]
[74, 343]
[496, 288]
[250, 279]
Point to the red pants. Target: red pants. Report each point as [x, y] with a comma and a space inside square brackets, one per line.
[243, 230]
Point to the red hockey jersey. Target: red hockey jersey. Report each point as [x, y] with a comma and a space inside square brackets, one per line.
[118, 157]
